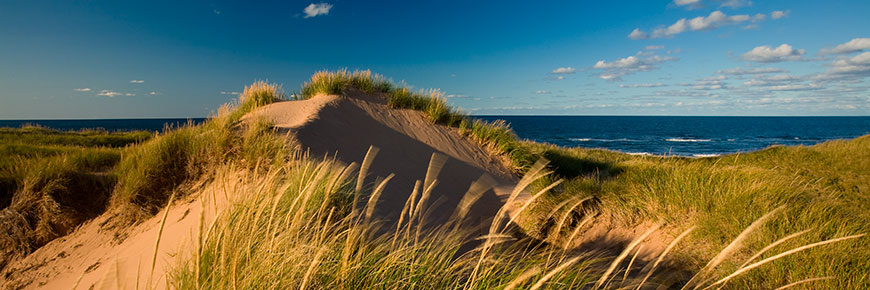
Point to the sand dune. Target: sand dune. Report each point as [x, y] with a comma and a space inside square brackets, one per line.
[345, 127]
[101, 257]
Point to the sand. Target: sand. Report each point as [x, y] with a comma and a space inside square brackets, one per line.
[345, 127]
[99, 257]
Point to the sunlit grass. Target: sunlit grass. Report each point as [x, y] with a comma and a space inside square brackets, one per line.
[292, 226]
[150, 172]
[822, 188]
[51, 181]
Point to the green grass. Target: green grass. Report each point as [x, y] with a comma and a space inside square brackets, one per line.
[823, 188]
[34, 135]
[431, 102]
[291, 226]
[150, 172]
[259, 93]
[22, 150]
[51, 181]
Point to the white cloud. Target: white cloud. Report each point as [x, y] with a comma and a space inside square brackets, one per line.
[655, 85]
[795, 87]
[686, 2]
[620, 63]
[108, 93]
[676, 28]
[765, 53]
[654, 47]
[313, 10]
[693, 4]
[560, 78]
[854, 45]
[542, 92]
[83, 90]
[714, 20]
[638, 34]
[774, 80]
[779, 14]
[758, 17]
[631, 64]
[564, 71]
[750, 71]
[856, 67]
[706, 84]
[735, 3]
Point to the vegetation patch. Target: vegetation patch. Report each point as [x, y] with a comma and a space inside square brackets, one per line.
[51, 181]
[149, 173]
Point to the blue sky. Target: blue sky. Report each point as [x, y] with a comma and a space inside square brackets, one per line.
[114, 59]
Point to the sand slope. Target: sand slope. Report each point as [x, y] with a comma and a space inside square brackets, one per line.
[345, 127]
[96, 256]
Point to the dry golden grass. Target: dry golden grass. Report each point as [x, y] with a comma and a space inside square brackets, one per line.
[325, 244]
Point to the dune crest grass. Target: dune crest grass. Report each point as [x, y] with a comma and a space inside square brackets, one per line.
[496, 135]
[150, 172]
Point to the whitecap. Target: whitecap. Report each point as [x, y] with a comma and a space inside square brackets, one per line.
[705, 155]
[686, 140]
[602, 140]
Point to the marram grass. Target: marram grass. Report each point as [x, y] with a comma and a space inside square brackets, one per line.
[431, 102]
[150, 172]
[51, 181]
[291, 226]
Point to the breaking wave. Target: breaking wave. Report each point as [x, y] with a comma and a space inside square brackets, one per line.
[602, 140]
[687, 140]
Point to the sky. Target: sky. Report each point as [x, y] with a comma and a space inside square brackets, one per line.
[167, 59]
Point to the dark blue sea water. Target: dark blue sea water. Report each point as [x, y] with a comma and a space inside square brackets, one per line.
[686, 136]
[660, 135]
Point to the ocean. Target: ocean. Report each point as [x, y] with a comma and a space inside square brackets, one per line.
[658, 135]
[684, 136]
